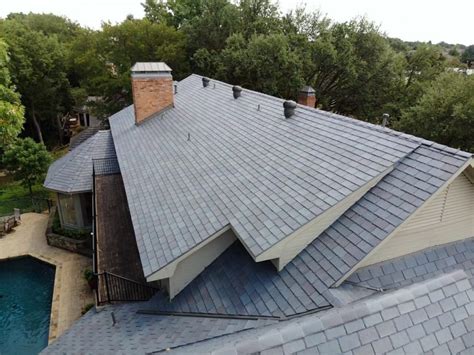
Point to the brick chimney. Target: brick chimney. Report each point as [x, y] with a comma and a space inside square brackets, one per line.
[152, 88]
[307, 96]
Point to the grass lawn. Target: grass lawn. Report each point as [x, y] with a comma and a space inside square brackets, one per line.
[13, 195]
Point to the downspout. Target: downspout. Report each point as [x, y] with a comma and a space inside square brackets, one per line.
[94, 234]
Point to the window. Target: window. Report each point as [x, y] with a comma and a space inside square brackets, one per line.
[68, 210]
[86, 207]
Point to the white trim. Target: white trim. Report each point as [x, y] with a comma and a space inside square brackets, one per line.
[169, 269]
[285, 249]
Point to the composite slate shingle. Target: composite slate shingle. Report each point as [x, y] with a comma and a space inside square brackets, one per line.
[214, 161]
[376, 215]
[379, 339]
[72, 173]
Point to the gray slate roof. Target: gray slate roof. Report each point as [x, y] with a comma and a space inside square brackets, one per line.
[417, 267]
[264, 175]
[72, 173]
[436, 315]
[235, 284]
[82, 137]
[376, 215]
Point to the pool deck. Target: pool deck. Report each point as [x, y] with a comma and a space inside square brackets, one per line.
[71, 291]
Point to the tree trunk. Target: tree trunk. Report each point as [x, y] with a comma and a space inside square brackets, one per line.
[31, 191]
[60, 129]
[37, 125]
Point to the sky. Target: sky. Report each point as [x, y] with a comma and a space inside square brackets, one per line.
[410, 20]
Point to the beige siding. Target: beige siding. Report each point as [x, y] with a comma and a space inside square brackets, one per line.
[446, 218]
[283, 252]
[168, 270]
[193, 265]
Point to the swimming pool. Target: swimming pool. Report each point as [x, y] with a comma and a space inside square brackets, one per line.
[26, 291]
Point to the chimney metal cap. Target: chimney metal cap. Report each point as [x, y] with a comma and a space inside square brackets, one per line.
[150, 67]
[308, 90]
[236, 90]
[205, 82]
[289, 108]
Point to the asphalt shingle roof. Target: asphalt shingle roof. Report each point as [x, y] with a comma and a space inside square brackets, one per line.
[431, 294]
[212, 161]
[134, 333]
[72, 173]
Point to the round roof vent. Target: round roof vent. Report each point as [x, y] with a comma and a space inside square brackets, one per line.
[289, 107]
[237, 90]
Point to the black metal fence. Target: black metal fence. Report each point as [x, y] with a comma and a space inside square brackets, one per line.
[26, 204]
[115, 288]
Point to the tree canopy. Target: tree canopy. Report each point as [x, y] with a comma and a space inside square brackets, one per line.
[444, 113]
[11, 110]
[354, 68]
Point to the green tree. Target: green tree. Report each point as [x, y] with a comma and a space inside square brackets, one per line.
[247, 63]
[48, 24]
[468, 54]
[172, 12]
[28, 161]
[39, 70]
[444, 113]
[11, 110]
[353, 69]
[102, 59]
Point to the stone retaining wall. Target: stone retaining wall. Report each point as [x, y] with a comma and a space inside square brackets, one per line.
[83, 247]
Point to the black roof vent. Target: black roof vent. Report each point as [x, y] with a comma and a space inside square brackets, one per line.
[289, 108]
[236, 90]
[205, 82]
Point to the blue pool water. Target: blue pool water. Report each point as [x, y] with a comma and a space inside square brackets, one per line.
[26, 291]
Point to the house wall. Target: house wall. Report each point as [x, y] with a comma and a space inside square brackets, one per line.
[194, 264]
[283, 252]
[447, 218]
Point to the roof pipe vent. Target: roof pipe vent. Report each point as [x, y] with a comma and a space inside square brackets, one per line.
[237, 91]
[205, 82]
[289, 107]
[385, 119]
[175, 89]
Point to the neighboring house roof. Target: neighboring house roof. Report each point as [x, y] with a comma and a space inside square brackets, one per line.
[72, 173]
[434, 308]
[82, 136]
[213, 161]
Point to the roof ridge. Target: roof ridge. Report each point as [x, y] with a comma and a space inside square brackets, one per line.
[352, 120]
